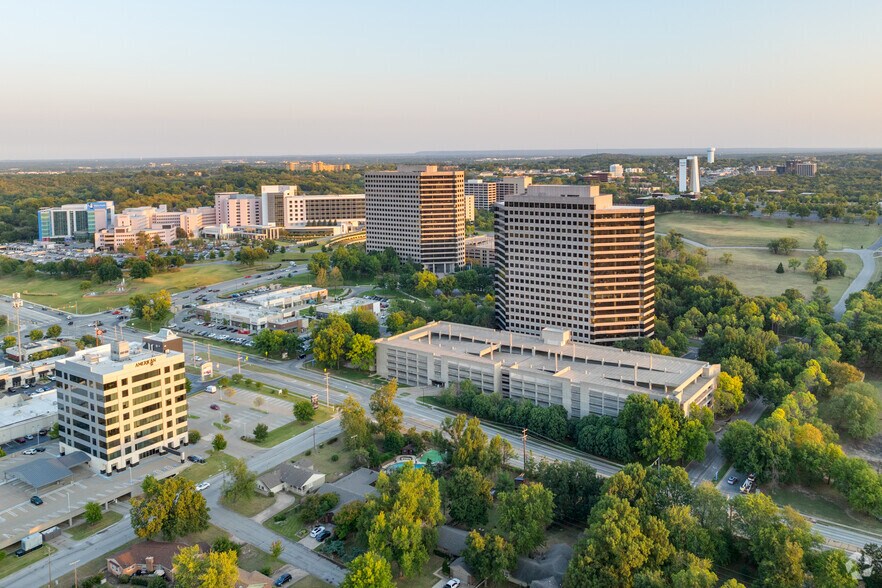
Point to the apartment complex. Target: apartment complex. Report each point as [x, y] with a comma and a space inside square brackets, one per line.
[545, 369]
[483, 192]
[419, 212]
[317, 166]
[121, 402]
[567, 258]
[509, 186]
[74, 221]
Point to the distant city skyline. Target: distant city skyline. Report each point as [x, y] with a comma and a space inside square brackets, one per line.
[106, 79]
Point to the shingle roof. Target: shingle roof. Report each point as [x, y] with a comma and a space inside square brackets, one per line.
[161, 552]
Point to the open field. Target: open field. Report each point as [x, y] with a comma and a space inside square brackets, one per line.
[61, 293]
[84, 529]
[753, 271]
[249, 507]
[214, 463]
[718, 230]
[285, 432]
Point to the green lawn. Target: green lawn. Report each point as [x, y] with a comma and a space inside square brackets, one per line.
[322, 460]
[719, 230]
[214, 463]
[345, 373]
[250, 506]
[292, 527]
[293, 428]
[11, 564]
[62, 293]
[83, 530]
[310, 582]
[825, 503]
[753, 271]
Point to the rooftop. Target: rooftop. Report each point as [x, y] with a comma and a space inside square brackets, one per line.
[554, 354]
[345, 305]
[100, 361]
[39, 405]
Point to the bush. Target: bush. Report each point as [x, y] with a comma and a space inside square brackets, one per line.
[279, 518]
[139, 581]
[332, 440]
[193, 436]
[307, 452]
[124, 579]
[335, 457]
[266, 571]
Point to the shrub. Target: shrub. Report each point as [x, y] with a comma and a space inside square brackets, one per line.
[139, 581]
[335, 457]
[266, 571]
[307, 452]
[332, 440]
[124, 579]
[193, 436]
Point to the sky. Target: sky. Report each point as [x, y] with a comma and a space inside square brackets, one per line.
[111, 79]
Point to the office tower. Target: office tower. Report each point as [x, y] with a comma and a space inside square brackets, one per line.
[568, 258]
[616, 171]
[484, 193]
[687, 175]
[74, 221]
[121, 402]
[806, 169]
[419, 212]
[711, 154]
[273, 204]
[512, 185]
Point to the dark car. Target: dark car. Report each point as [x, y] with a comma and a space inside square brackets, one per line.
[36, 500]
[69, 323]
[283, 579]
[196, 459]
[214, 407]
[39, 449]
[323, 535]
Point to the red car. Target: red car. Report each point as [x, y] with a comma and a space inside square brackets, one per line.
[117, 312]
[214, 407]
[21, 440]
[247, 277]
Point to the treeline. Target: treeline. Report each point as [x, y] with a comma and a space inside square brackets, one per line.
[644, 430]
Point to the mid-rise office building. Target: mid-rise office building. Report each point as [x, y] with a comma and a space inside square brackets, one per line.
[546, 369]
[711, 154]
[568, 258]
[508, 186]
[483, 192]
[274, 204]
[284, 207]
[120, 403]
[479, 250]
[469, 208]
[74, 221]
[317, 166]
[688, 174]
[616, 171]
[807, 169]
[237, 210]
[419, 212]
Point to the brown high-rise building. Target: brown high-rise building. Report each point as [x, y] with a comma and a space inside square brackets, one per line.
[419, 212]
[568, 258]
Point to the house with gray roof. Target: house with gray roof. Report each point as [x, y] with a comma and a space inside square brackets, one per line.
[290, 478]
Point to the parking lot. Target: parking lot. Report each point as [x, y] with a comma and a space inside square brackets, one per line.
[18, 516]
[244, 416]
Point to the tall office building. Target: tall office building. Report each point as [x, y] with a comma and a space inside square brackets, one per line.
[74, 221]
[484, 193]
[120, 403]
[419, 212]
[512, 185]
[711, 154]
[688, 174]
[616, 171]
[568, 258]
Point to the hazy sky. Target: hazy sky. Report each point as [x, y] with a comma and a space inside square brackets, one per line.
[188, 78]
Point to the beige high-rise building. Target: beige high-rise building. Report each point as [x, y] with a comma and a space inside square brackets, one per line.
[121, 402]
[568, 258]
[512, 185]
[419, 212]
[484, 193]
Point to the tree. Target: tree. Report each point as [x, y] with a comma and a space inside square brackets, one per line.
[93, 512]
[425, 283]
[53, 332]
[171, 508]
[855, 410]
[276, 548]
[9, 341]
[402, 518]
[783, 246]
[215, 569]
[780, 268]
[468, 497]
[816, 266]
[251, 255]
[368, 570]
[140, 270]
[364, 322]
[382, 404]
[726, 259]
[153, 307]
[836, 268]
[240, 483]
[525, 514]
[193, 436]
[219, 443]
[303, 411]
[729, 395]
[830, 569]
[335, 278]
[662, 437]
[489, 556]
[35, 335]
[260, 432]
[321, 278]
[362, 353]
[318, 261]
[575, 485]
[821, 245]
[871, 558]
[794, 263]
[354, 424]
[330, 340]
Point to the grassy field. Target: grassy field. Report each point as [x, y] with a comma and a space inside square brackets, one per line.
[251, 506]
[60, 293]
[322, 461]
[825, 503]
[250, 557]
[214, 463]
[293, 428]
[292, 527]
[83, 530]
[310, 582]
[718, 230]
[753, 271]
[11, 564]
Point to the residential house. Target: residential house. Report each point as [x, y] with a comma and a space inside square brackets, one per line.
[290, 478]
[252, 580]
[147, 557]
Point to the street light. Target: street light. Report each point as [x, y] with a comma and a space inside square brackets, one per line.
[76, 580]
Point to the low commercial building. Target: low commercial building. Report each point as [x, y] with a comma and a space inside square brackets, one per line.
[346, 306]
[22, 415]
[121, 402]
[480, 250]
[25, 374]
[115, 238]
[164, 340]
[274, 310]
[41, 349]
[549, 369]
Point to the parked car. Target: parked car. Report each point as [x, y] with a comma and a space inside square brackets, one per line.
[30, 451]
[323, 535]
[282, 580]
[316, 531]
[453, 583]
[36, 500]
[39, 449]
[69, 323]
[214, 407]
[196, 459]
[30, 437]
[21, 440]
[202, 486]
[732, 480]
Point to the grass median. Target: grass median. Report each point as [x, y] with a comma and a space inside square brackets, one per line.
[85, 529]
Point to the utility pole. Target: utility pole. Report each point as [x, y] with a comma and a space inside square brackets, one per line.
[524, 439]
[327, 388]
[238, 362]
[17, 303]
[194, 352]
[49, 585]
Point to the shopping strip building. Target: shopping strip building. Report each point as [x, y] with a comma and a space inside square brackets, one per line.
[549, 369]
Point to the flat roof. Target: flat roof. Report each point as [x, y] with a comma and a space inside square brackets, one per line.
[628, 371]
[292, 292]
[345, 305]
[98, 361]
[39, 405]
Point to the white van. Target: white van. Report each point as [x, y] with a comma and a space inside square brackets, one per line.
[211, 389]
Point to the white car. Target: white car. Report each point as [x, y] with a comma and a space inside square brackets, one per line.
[202, 486]
[316, 531]
[29, 452]
[198, 358]
[453, 583]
